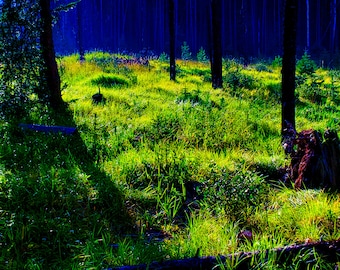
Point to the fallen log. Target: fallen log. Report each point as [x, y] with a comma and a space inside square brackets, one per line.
[49, 129]
[330, 251]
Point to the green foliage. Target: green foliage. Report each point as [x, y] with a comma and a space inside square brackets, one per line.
[194, 97]
[237, 193]
[20, 58]
[277, 62]
[109, 80]
[262, 67]
[185, 51]
[202, 56]
[130, 162]
[312, 89]
[306, 66]
[236, 80]
[163, 57]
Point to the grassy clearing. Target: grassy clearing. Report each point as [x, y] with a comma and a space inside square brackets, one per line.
[120, 191]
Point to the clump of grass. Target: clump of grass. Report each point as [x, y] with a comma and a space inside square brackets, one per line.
[109, 81]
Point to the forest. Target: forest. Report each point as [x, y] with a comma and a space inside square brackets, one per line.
[169, 134]
[251, 28]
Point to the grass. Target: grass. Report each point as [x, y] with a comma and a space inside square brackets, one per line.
[116, 193]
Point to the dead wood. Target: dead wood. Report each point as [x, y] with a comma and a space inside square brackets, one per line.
[330, 251]
[315, 159]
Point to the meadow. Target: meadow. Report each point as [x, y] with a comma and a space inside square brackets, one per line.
[164, 169]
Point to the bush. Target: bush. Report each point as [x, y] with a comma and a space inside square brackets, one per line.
[261, 67]
[201, 56]
[235, 79]
[306, 66]
[311, 89]
[163, 57]
[277, 62]
[186, 54]
[237, 192]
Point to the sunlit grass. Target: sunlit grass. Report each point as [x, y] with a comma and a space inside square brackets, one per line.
[93, 200]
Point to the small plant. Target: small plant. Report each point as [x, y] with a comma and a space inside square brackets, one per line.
[306, 66]
[312, 89]
[186, 54]
[192, 97]
[236, 192]
[202, 56]
[277, 62]
[163, 57]
[236, 80]
[261, 67]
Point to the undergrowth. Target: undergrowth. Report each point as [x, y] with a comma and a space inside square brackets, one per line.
[161, 170]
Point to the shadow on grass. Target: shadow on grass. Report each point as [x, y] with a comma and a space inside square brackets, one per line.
[54, 199]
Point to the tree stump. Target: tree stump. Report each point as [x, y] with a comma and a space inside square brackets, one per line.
[315, 159]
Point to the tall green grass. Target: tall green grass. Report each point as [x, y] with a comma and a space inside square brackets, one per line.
[115, 193]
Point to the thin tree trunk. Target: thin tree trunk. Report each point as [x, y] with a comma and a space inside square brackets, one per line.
[216, 59]
[333, 7]
[51, 70]
[288, 67]
[307, 24]
[79, 33]
[172, 40]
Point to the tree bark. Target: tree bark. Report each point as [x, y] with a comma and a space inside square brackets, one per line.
[79, 33]
[172, 40]
[50, 71]
[307, 25]
[288, 66]
[333, 32]
[216, 56]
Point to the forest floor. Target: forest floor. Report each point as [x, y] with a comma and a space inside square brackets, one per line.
[162, 170]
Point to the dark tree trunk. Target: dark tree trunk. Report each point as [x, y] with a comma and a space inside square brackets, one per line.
[79, 32]
[50, 72]
[307, 25]
[216, 56]
[333, 32]
[288, 67]
[172, 40]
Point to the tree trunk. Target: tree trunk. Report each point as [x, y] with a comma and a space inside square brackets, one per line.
[307, 24]
[333, 32]
[216, 59]
[50, 71]
[172, 40]
[79, 33]
[288, 68]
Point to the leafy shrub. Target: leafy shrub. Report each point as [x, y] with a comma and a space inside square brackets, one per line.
[233, 64]
[192, 97]
[109, 80]
[306, 66]
[277, 62]
[262, 67]
[235, 79]
[237, 192]
[163, 57]
[186, 54]
[312, 89]
[105, 61]
[201, 56]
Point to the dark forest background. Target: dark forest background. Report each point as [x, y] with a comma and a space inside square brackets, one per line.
[250, 28]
